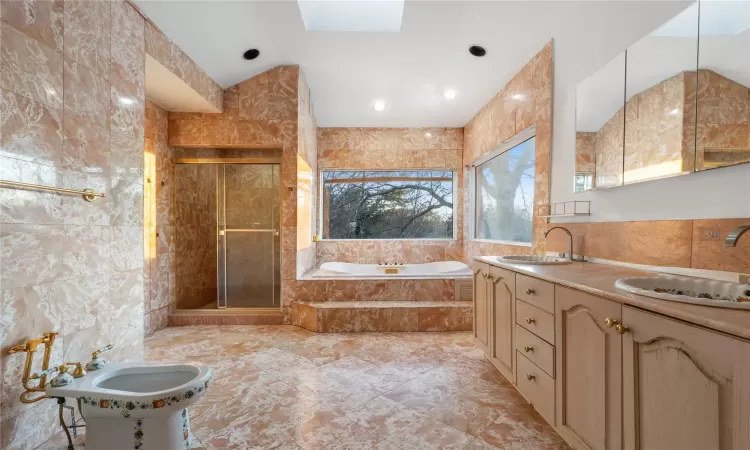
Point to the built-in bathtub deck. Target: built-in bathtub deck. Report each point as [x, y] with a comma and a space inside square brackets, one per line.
[383, 315]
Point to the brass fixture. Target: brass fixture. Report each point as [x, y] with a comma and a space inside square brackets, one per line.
[621, 329]
[490, 277]
[529, 291]
[530, 376]
[528, 348]
[570, 239]
[316, 238]
[79, 371]
[30, 348]
[731, 240]
[96, 363]
[88, 194]
[529, 320]
[610, 322]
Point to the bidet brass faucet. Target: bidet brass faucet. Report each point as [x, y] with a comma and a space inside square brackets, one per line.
[30, 348]
[731, 240]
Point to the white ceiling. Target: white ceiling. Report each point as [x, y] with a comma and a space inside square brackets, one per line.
[409, 69]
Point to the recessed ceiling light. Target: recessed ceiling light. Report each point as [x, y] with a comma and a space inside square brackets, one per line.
[450, 94]
[251, 54]
[379, 105]
[518, 97]
[477, 51]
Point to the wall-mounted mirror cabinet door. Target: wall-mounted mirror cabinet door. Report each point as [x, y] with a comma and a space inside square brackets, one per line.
[600, 101]
[723, 84]
[660, 100]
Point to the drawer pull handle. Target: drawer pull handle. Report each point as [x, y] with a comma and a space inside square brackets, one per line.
[490, 277]
[530, 376]
[529, 320]
[529, 291]
[528, 348]
[610, 322]
[621, 329]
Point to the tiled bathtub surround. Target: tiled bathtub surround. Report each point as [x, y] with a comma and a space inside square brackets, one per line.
[526, 100]
[391, 316]
[72, 114]
[393, 148]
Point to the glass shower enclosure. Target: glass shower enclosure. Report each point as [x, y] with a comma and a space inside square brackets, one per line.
[226, 232]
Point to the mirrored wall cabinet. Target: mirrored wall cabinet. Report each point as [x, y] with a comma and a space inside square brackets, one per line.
[675, 102]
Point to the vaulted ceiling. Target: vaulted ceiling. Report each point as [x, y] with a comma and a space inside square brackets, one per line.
[410, 69]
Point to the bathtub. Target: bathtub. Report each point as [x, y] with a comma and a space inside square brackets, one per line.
[444, 269]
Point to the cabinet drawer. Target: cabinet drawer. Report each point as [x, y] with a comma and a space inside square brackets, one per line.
[536, 292]
[537, 387]
[539, 322]
[539, 352]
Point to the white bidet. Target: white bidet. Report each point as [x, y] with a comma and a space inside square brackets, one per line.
[138, 406]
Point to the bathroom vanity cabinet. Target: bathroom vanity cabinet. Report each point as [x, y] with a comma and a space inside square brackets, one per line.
[608, 375]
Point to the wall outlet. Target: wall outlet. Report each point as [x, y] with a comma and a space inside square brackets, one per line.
[709, 234]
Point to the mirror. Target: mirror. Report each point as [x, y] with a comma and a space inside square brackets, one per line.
[660, 103]
[723, 129]
[599, 127]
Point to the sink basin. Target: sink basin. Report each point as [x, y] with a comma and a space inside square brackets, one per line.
[722, 294]
[531, 259]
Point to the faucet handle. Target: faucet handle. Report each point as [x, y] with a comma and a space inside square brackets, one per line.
[44, 373]
[96, 363]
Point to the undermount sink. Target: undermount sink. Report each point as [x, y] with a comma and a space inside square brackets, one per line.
[532, 259]
[722, 294]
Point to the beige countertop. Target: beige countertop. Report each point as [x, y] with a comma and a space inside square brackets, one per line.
[599, 280]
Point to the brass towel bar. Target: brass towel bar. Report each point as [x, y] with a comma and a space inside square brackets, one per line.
[88, 194]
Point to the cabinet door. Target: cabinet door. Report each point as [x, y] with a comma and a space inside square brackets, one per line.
[684, 387]
[481, 305]
[589, 370]
[502, 323]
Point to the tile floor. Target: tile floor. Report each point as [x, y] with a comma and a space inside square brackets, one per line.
[283, 387]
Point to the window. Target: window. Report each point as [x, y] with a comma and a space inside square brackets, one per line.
[505, 194]
[415, 204]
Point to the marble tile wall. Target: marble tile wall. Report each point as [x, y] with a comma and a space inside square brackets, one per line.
[677, 243]
[71, 115]
[171, 56]
[307, 175]
[524, 101]
[159, 274]
[393, 148]
[585, 152]
[259, 113]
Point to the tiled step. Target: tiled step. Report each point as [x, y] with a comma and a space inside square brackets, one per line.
[223, 318]
[367, 316]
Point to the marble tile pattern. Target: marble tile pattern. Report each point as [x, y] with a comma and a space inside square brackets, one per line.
[585, 152]
[676, 243]
[67, 265]
[723, 134]
[307, 176]
[393, 148]
[525, 100]
[375, 290]
[286, 387]
[158, 227]
[382, 316]
[171, 56]
[259, 113]
[609, 152]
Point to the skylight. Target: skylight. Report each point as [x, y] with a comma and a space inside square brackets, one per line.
[352, 15]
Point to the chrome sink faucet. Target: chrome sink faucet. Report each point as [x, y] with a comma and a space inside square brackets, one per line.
[570, 239]
[731, 240]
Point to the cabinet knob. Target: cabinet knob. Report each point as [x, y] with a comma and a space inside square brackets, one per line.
[484, 275]
[528, 348]
[530, 376]
[621, 329]
[529, 291]
[529, 320]
[610, 322]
